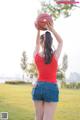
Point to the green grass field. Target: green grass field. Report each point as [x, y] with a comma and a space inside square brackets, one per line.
[17, 101]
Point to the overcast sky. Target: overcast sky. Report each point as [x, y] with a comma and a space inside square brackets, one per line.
[18, 33]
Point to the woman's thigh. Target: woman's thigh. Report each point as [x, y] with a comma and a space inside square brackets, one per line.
[49, 110]
[39, 108]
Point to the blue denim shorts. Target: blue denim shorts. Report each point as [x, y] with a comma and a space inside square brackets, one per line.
[45, 91]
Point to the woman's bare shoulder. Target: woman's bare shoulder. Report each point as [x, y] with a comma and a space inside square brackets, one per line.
[41, 54]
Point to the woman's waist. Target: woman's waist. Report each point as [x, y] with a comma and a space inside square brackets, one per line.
[54, 81]
[46, 84]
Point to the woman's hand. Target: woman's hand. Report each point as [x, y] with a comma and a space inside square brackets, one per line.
[49, 26]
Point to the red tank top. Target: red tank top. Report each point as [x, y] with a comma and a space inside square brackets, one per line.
[46, 72]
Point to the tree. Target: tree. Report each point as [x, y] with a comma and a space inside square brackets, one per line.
[64, 68]
[32, 70]
[24, 62]
[60, 74]
[65, 63]
[56, 10]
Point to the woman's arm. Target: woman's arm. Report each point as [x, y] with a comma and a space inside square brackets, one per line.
[37, 48]
[59, 40]
[60, 43]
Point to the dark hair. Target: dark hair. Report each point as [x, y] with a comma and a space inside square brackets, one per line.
[48, 51]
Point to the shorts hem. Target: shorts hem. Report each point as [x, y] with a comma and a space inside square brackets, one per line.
[46, 100]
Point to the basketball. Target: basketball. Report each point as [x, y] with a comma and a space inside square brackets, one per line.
[42, 20]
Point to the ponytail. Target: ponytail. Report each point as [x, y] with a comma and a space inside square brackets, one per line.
[48, 52]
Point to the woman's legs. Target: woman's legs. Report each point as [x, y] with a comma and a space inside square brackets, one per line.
[39, 110]
[45, 110]
[49, 110]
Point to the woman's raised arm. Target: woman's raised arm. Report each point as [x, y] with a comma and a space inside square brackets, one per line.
[59, 40]
[37, 47]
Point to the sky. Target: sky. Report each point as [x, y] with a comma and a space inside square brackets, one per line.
[18, 33]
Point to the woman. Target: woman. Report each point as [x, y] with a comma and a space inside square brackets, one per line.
[45, 93]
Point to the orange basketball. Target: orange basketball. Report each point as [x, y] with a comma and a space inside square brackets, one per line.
[42, 20]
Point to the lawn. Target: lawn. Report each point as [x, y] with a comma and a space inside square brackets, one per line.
[16, 100]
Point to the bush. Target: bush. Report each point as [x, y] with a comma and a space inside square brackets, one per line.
[70, 85]
[78, 85]
[16, 82]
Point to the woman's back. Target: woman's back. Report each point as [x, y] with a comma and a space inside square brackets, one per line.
[46, 72]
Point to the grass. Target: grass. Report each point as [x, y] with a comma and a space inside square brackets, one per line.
[17, 101]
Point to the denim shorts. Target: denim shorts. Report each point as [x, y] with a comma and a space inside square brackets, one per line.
[45, 91]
